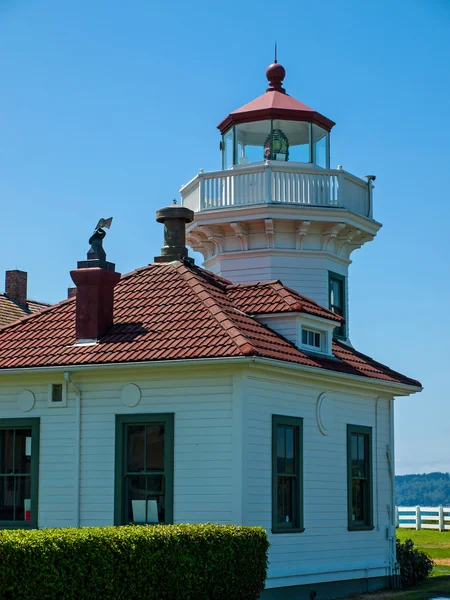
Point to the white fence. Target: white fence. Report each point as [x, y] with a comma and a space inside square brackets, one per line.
[271, 182]
[423, 517]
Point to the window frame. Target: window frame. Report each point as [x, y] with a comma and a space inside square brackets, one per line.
[340, 331]
[32, 423]
[63, 402]
[322, 339]
[298, 523]
[120, 460]
[366, 525]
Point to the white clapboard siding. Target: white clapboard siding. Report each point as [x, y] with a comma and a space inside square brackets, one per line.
[203, 444]
[223, 462]
[326, 538]
[285, 324]
[203, 453]
[56, 452]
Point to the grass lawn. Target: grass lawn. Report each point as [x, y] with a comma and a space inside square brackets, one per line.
[435, 543]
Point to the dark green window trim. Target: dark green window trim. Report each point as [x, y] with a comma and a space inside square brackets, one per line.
[119, 492]
[367, 524]
[341, 331]
[296, 526]
[33, 424]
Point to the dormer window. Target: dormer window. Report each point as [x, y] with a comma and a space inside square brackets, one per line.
[313, 340]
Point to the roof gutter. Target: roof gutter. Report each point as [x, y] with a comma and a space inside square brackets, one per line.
[395, 389]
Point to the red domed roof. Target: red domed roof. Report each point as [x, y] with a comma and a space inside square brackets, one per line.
[275, 104]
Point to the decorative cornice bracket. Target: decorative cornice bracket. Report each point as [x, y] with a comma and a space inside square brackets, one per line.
[301, 231]
[212, 236]
[241, 232]
[270, 232]
[347, 239]
[331, 235]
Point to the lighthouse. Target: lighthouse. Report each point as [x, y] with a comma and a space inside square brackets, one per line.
[276, 210]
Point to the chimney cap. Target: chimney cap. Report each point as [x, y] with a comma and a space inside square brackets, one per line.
[174, 212]
[174, 218]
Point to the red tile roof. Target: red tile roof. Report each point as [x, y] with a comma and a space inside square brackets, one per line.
[10, 311]
[174, 311]
[274, 297]
[276, 105]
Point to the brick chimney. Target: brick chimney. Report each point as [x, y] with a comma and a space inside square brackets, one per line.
[95, 279]
[71, 291]
[16, 286]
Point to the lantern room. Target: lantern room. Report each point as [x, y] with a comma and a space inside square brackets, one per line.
[275, 127]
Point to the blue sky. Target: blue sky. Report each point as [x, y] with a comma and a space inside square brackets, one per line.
[108, 107]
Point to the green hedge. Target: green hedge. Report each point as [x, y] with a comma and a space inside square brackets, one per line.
[174, 562]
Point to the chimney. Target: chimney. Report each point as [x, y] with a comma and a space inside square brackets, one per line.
[71, 291]
[95, 279]
[16, 286]
[174, 218]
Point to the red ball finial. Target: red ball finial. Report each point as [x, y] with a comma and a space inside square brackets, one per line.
[275, 74]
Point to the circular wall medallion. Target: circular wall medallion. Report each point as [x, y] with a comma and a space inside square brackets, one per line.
[26, 400]
[131, 395]
[325, 413]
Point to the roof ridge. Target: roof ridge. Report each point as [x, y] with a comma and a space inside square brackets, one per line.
[308, 300]
[218, 278]
[245, 347]
[287, 295]
[49, 307]
[254, 284]
[39, 302]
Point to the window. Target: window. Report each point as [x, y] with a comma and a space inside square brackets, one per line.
[228, 151]
[19, 467]
[320, 139]
[312, 339]
[287, 485]
[57, 392]
[57, 395]
[359, 466]
[144, 469]
[337, 300]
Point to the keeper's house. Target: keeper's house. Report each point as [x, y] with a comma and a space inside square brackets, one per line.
[175, 394]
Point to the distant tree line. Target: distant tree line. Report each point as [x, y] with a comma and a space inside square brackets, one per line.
[429, 489]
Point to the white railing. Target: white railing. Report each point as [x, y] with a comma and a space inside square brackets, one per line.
[423, 517]
[272, 182]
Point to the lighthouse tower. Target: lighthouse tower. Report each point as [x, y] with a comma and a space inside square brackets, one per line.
[276, 210]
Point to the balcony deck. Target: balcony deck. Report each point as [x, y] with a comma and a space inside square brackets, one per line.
[276, 182]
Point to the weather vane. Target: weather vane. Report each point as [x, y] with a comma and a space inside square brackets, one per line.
[96, 251]
[104, 223]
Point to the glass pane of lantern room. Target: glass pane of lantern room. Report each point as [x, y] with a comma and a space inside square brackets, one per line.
[320, 143]
[228, 149]
[251, 138]
[297, 133]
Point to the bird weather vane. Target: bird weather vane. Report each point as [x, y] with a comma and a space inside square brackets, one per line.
[96, 239]
[104, 223]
